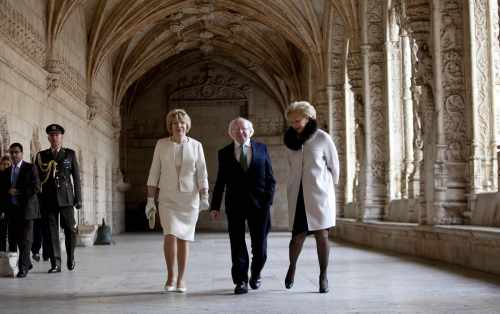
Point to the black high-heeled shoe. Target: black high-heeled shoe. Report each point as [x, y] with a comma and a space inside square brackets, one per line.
[290, 274]
[323, 284]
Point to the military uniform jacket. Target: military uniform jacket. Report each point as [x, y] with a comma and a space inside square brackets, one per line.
[59, 177]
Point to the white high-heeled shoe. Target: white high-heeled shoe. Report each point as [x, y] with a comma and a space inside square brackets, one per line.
[169, 288]
[181, 289]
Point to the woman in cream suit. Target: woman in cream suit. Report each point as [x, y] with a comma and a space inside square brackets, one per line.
[314, 169]
[179, 172]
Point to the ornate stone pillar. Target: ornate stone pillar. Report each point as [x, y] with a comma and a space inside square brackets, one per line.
[406, 100]
[355, 76]
[394, 112]
[420, 190]
[337, 101]
[483, 32]
[449, 201]
[372, 51]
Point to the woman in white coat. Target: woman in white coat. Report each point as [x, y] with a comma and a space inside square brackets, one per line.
[313, 171]
[179, 172]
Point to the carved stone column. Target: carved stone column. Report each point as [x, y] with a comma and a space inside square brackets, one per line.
[420, 190]
[355, 76]
[394, 109]
[406, 100]
[450, 157]
[337, 100]
[375, 115]
[483, 23]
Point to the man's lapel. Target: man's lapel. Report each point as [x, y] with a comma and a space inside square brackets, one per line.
[254, 155]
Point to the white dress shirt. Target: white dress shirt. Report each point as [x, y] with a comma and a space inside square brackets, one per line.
[248, 150]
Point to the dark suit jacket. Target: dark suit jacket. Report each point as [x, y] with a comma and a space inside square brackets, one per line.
[62, 188]
[28, 185]
[255, 187]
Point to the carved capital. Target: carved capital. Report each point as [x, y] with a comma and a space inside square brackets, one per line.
[92, 107]
[54, 75]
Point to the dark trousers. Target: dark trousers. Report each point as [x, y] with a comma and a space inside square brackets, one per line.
[41, 237]
[259, 224]
[21, 237]
[3, 234]
[69, 226]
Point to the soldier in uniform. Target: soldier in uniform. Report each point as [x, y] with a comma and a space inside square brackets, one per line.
[60, 178]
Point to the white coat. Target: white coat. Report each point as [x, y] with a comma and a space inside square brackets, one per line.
[317, 164]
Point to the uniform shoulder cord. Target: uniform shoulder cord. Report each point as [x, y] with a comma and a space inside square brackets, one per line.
[46, 168]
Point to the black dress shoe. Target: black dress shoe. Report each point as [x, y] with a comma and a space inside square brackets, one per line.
[22, 273]
[55, 269]
[323, 284]
[241, 288]
[255, 282]
[71, 265]
[290, 274]
[36, 257]
[45, 258]
[30, 267]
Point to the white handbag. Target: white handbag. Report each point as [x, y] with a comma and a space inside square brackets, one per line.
[8, 264]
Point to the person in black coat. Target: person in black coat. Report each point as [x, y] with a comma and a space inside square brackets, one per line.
[246, 175]
[4, 164]
[19, 188]
[61, 192]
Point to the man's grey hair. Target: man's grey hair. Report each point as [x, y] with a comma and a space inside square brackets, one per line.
[248, 124]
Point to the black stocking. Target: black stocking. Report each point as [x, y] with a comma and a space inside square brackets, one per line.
[295, 248]
[323, 249]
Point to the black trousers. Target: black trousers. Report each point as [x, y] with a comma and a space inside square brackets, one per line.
[21, 237]
[259, 224]
[3, 234]
[69, 226]
[41, 237]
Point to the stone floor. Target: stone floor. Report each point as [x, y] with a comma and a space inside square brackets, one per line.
[128, 277]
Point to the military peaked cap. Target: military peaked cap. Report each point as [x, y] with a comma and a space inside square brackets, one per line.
[54, 128]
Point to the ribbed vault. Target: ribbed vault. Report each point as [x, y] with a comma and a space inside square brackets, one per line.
[271, 39]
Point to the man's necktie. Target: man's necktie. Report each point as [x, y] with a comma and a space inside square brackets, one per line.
[243, 159]
[15, 173]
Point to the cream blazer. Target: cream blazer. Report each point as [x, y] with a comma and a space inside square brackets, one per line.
[193, 172]
[317, 165]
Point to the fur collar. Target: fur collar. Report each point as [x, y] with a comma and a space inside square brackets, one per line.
[294, 141]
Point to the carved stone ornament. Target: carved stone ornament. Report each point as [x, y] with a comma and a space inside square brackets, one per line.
[54, 75]
[92, 107]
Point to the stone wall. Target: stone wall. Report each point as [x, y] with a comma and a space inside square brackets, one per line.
[470, 246]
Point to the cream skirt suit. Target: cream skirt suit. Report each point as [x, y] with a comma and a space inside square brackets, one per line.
[179, 171]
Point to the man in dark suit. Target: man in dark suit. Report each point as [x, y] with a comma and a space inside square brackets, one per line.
[5, 164]
[60, 178]
[246, 175]
[20, 185]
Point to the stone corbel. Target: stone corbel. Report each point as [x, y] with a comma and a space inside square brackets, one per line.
[53, 76]
[92, 107]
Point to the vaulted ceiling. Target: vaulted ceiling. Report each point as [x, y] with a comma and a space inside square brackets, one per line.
[265, 40]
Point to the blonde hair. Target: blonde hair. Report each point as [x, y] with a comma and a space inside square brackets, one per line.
[302, 107]
[177, 115]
